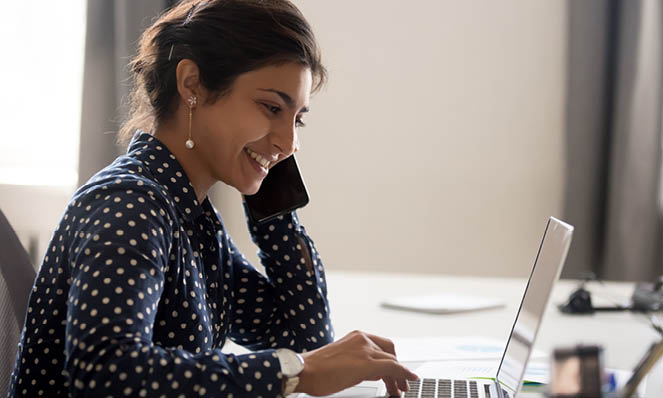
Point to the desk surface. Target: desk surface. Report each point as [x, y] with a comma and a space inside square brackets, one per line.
[355, 303]
[355, 299]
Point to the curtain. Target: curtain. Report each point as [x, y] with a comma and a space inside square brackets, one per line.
[614, 139]
[112, 32]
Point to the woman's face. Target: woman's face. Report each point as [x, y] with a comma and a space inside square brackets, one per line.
[243, 134]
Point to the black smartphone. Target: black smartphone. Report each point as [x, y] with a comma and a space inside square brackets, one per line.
[281, 192]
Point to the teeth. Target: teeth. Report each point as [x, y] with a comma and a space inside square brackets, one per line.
[263, 162]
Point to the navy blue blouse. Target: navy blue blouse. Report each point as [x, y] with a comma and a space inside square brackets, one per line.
[141, 285]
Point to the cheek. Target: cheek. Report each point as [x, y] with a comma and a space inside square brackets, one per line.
[215, 131]
[228, 129]
[250, 129]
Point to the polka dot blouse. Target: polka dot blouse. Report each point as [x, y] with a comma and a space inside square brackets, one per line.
[141, 285]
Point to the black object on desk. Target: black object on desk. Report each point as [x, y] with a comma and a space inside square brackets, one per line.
[646, 297]
[580, 302]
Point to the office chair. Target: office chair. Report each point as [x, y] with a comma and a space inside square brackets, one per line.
[16, 278]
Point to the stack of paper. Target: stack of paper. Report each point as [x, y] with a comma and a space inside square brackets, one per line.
[442, 303]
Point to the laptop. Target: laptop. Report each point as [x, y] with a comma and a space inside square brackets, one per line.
[509, 378]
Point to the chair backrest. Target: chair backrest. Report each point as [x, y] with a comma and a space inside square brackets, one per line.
[17, 276]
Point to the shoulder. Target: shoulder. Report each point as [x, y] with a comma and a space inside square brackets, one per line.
[124, 186]
[124, 176]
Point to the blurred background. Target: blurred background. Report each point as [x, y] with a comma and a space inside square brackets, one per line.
[447, 135]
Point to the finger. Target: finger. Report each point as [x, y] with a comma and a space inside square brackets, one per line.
[395, 386]
[398, 383]
[393, 369]
[402, 385]
[385, 344]
[407, 374]
[392, 386]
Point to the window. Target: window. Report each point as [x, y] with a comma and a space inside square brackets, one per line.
[43, 45]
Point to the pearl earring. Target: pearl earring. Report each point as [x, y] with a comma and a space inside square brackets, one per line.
[189, 144]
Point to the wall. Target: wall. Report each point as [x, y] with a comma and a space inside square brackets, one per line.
[437, 145]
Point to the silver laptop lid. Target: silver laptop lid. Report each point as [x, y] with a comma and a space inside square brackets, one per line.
[545, 272]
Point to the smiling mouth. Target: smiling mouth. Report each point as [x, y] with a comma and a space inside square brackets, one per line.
[263, 162]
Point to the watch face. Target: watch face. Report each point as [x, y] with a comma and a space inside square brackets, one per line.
[291, 363]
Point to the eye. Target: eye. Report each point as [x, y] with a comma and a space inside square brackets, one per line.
[271, 108]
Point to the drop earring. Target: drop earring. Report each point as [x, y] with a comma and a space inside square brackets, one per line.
[189, 144]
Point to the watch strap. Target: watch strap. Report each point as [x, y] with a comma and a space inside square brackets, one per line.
[290, 385]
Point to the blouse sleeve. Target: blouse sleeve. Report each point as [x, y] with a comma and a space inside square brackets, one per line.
[288, 306]
[117, 264]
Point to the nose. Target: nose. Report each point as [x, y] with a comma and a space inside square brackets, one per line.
[285, 140]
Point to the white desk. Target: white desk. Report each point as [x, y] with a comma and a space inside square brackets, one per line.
[355, 303]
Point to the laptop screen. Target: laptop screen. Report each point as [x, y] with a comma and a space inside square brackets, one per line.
[545, 272]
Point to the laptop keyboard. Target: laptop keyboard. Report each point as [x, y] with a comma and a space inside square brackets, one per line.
[442, 388]
[446, 388]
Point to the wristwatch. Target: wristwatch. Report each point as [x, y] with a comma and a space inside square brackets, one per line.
[292, 365]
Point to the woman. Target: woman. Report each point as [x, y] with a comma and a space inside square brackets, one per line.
[141, 284]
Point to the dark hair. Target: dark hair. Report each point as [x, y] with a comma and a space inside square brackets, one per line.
[225, 38]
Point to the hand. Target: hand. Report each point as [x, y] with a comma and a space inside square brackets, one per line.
[344, 363]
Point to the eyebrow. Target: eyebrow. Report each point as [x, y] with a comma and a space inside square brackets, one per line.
[286, 98]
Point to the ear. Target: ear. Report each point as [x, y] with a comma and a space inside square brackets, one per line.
[188, 81]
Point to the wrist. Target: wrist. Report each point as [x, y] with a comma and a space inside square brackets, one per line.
[304, 375]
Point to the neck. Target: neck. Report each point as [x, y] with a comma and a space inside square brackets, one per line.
[170, 135]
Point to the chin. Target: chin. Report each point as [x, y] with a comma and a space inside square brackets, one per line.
[249, 189]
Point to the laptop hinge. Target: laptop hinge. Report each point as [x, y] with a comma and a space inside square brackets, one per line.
[499, 391]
